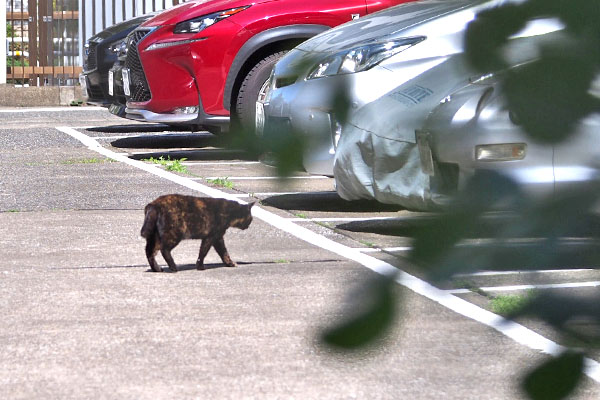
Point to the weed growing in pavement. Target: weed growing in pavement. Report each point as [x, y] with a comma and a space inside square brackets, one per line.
[282, 261]
[324, 224]
[169, 165]
[510, 304]
[37, 164]
[71, 161]
[301, 215]
[223, 182]
[368, 244]
[87, 161]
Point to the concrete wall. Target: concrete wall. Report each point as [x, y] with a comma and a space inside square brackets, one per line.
[38, 96]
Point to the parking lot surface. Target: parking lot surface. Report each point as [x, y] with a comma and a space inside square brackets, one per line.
[85, 318]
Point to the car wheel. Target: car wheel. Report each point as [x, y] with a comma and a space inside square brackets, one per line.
[250, 89]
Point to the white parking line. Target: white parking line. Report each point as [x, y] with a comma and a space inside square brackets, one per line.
[113, 137]
[212, 149]
[268, 178]
[243, 195]
[515, 331]
[220, 162]
[514, 288]
[540, 271]
[390, 249]
[343, 219]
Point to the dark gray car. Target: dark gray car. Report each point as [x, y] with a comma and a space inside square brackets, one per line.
[100, 53]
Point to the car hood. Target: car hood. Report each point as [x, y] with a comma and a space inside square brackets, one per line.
[122, 27]
[394, 20]
[193, 9]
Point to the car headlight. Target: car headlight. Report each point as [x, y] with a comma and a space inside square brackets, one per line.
[200, 23]
[361, 58]
[118, 47]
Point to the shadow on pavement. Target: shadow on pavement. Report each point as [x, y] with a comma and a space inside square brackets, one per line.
[406, 227]
[488, 226]
[196, 155]
[107, 267]
[134, 128]
[167, 141]
[526, 250]
[192, 267]
[325, 201]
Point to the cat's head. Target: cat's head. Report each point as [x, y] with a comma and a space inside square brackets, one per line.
[243, 217]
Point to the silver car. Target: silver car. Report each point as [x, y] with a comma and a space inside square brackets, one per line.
[474, 130]
[377, 157]
[369, 58]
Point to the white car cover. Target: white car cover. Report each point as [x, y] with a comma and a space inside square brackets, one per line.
[377, 155]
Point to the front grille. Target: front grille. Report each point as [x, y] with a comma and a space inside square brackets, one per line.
[140, 91]
[95, 92]
[92, 57]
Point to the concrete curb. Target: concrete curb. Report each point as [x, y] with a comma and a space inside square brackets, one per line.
[38, 96]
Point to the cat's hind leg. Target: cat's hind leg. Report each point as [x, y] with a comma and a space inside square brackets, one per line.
[166, 253]
[204, 248]
[152, 246]
[222, 250]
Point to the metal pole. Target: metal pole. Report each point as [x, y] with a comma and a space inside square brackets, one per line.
[3, 43]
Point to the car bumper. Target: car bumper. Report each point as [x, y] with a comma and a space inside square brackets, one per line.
[94, 89]
[179, 84]
[214, 123]
[307, 109]
[149, 116]
[449, 159]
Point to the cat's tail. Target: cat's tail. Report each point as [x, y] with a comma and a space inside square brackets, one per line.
[149, 221]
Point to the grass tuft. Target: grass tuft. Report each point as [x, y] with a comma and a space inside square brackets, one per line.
[509, 304]
[87, 161]
[169, 165]
[223, 182]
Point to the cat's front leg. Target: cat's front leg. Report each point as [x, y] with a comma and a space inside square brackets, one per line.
[222, 250]
[204, 248]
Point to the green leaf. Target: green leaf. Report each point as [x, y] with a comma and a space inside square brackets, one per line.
[286, 149]
[488, 33]
[555, 379]
[368, 324]
[550, 96]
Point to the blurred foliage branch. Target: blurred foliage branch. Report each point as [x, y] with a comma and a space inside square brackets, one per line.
[549, 95]
[552, 93]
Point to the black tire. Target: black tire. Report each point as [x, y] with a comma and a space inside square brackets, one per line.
[245, 107]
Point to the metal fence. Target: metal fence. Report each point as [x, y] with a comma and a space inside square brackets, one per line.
[45, 38]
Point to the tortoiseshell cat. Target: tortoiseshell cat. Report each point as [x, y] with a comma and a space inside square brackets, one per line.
[172, 218]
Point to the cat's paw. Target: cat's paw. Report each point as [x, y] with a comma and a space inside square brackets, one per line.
[231, 264]
[200, 267]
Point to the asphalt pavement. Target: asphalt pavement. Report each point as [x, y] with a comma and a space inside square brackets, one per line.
[83, 316]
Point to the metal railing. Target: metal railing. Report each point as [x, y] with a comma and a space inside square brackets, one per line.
[45, 38]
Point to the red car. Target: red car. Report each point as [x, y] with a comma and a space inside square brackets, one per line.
[202, 61]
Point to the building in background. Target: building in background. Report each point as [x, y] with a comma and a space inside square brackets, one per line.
[45, 38]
